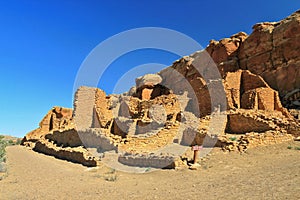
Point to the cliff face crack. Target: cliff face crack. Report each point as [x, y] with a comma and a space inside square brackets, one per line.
[237, 54]
[273, 48]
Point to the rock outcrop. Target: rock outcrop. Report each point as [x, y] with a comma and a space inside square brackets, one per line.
[271, 51]
[237, 89]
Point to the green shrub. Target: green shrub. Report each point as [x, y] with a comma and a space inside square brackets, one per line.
[297, 148]
[3, 144]
[11, 142]
[111, 175]
[111, 178]
[18, 141]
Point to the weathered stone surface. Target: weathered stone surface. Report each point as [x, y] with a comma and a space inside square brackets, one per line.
[84, 108]
[122, 126]
[104, 114]
[67, 138]
[148, 80]
[224, 52]
[76, 155]
[143, 127]
[239, 89]
[232, 142]
[92, 109]
[189, 136]
[292, 99]
[238, 123]
[97, 138]
[232, 84]
[124, 108]
[271, 51]
[57, 118]
[152, 160]
[249, 100]
[196, 75]
[56, 136]
[260, 98]
[295, 113]
[146, 93]
[252, 81]
[253, 49]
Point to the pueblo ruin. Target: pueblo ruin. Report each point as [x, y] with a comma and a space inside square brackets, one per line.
[254, 101]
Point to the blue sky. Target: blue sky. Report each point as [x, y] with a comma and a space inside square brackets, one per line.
[43, 43]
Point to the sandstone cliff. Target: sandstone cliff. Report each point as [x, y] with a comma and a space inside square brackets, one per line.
[271, 51]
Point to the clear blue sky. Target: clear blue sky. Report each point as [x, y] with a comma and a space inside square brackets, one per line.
[43, 43]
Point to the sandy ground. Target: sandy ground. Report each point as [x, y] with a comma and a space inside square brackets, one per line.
[263, 173]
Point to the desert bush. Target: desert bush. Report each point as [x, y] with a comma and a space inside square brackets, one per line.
[111, 175]
[295, 147]
[18, 141]
[3, 144]
[11, 142]
[111, 178]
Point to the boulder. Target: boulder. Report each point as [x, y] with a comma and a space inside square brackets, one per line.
[148, 80]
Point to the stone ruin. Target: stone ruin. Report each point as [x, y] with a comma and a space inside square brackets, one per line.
[172, 110]
[57, 136]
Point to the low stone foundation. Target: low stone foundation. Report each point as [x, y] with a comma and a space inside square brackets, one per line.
[150, 160]
[76, 155]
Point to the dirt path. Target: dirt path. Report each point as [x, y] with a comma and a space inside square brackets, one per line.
[264, 173]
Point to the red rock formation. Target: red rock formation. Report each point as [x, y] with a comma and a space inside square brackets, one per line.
[271, 51]
[250, 91]
[225, 52]
[243, 89]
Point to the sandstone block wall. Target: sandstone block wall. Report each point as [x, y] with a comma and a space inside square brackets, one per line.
[67, 138]
[96, 138]
[84, 104]
[76, 155]
[243, 124]
[102, 107]
[154, 161]
[57, 118]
